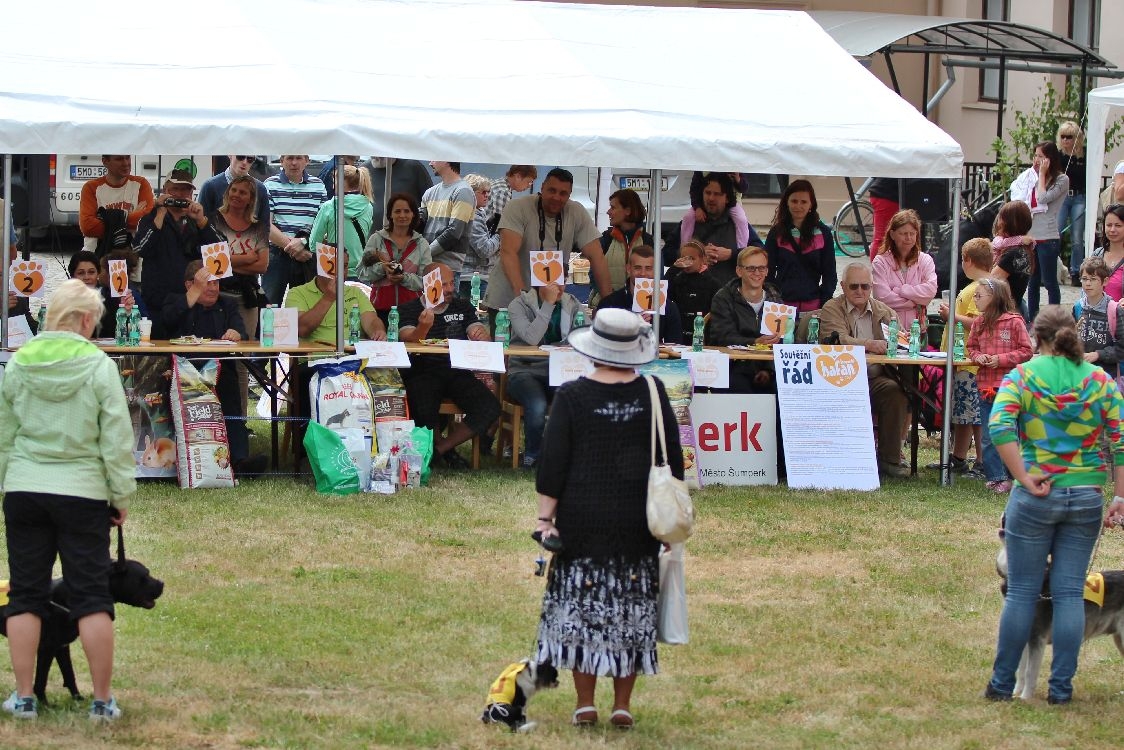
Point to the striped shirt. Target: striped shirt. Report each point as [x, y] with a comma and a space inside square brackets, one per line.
[293, 205]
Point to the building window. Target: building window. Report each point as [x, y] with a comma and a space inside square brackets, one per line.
[993, 10]
[766, 185]
[1084, 17]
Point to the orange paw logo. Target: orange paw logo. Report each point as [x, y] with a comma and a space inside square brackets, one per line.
[546, 267]
[118, 276]
[326, 260]
[28, 278]
[836, 364]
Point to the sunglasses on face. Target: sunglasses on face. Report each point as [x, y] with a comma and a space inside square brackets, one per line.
[1068, 137]
[856, 287]
[245, 158]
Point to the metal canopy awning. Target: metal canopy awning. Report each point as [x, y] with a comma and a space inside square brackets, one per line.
[966, 43]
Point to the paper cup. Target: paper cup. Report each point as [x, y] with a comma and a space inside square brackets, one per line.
[146, 329]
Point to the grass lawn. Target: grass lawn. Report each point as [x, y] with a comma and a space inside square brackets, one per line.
[832, 620]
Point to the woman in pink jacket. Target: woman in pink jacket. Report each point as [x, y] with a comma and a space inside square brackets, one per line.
[904, 277]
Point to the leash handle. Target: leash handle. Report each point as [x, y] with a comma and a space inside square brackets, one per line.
[120, 546]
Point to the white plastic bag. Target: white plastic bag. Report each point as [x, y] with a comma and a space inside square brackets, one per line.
[671, 628]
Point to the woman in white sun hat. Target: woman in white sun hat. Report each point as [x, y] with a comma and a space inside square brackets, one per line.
[599, 610]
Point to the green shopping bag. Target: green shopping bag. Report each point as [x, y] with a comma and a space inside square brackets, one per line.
[421, 438]
[331, 465]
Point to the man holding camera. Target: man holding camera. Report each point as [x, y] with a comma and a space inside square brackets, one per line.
[294, 198]
[169, 237]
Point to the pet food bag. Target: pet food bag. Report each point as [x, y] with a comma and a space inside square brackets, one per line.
[331, 463]
[339, 394]
[388, 394]
[201, 442]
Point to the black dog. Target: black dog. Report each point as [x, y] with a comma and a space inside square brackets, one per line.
[129, 583]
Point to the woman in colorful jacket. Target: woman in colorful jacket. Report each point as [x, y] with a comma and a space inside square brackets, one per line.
[801, 250]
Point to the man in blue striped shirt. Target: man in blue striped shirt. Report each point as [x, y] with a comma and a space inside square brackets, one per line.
[294, 198]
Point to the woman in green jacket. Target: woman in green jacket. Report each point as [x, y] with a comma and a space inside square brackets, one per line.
[358, 216]
[64, 425]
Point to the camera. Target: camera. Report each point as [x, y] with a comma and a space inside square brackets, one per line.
[396, 268]
[176, 203]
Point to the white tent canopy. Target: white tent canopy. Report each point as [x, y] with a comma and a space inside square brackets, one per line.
[1101, 103]
[484, 80]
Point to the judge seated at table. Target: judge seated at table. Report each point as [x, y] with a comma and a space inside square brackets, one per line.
[430, 379]
[315, 303]
[641, 265]
[202, 312]
[858, 319]
[540, 315]
[735, 320]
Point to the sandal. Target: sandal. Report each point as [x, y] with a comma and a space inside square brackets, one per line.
[586, 716]
[622, 719]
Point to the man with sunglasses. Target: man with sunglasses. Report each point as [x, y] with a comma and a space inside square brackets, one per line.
[210, 195]
[858, 319]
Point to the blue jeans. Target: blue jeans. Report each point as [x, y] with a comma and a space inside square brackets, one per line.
[276, 276]
[1073, 214]
[1061, 529]
[1045, 274]
[531, 391]
[993, 466]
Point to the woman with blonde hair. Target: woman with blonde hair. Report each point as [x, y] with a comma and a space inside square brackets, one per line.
[64, 425]
[1071, 143]
[358, 217]
[237, 221]
[905, 278]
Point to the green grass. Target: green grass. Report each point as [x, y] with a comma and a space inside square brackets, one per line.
[295, 620]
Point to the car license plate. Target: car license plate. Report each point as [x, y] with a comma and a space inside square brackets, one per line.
[641, 184]
[86, 171]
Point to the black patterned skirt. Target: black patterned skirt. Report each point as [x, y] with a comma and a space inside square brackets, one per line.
[599, 616]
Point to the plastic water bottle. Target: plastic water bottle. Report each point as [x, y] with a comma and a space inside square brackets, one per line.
[353, 325]
[699, 333]
[789, 331]
[958, 342]
[892, 341]
[134, 326]
[42, 317]
[814, 330]
[475, 288]
[914, 340]
[503, 327]
[392, 324]
[267, 326]
[121, 332]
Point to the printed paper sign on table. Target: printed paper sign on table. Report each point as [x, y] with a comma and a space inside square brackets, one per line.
[19, 332]
[824, 403]
[284, 325]
[383, 353]
[476, 355]
[710, 369]
[325, 261]
[736, 438]
[546, 267]
[216, 259]
[433, 290]
[566, 365]
[118, 276]
[642, 292]
[772, 315]
[27, 278]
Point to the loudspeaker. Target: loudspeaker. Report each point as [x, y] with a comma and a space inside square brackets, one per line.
[929, 198]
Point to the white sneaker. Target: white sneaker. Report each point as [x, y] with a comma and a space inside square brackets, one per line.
[105, 710]
[26, 707]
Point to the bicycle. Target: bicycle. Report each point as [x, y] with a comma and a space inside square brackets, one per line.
[846, 227]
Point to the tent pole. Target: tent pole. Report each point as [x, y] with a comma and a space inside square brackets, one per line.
[6, 221]
[386, 190]
[950, 328]
[1002, 95]
[654, 199]
[341, 269]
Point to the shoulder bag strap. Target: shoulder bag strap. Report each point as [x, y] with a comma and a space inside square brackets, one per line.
[657, 422]
[358, 231]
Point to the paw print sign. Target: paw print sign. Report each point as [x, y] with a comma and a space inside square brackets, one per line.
[546, 267]
[433, 291]
[28, 278]
[216, 259]
[772, 315]
[118, 276]
[643, 292]
[325, 261]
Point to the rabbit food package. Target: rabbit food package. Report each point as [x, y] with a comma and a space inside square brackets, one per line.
[204, 452]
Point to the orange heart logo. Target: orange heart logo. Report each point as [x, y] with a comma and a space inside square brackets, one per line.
[27, 277]
[836, 364]
[774, 323]
[216, 264]
[547, 273]
[328, 264]
[433, 291]
[644, 298]
[120, 282]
